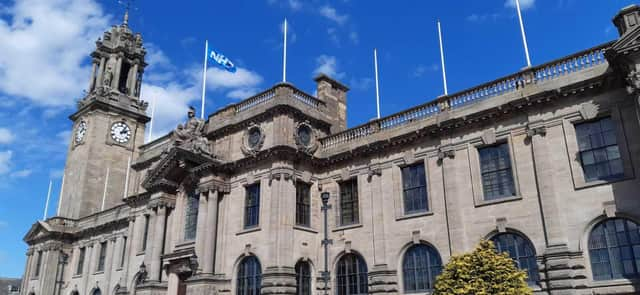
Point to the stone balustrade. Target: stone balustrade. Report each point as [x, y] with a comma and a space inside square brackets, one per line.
[540, 74]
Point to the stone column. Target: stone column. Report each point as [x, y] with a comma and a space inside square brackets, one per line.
[27, 272]
[133, 77]
[110, 261]
[92, 80]
[116, 76]
[201, 228]
[129, 249]
[211, 233]
[86, 268]
[100, 72]
[157, 244]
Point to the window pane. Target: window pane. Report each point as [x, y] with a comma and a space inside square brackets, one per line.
[614, 249]
[497, 177]
[349, 202]
[421, 264]
[191, 216]
[599, 153]
[414, 189]
[252, 206]
[249, 276]
[521, 251]
[352, 275]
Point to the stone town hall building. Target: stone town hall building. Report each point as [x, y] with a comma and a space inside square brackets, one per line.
[544, 162]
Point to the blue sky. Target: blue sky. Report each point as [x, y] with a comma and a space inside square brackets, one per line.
[44, 65]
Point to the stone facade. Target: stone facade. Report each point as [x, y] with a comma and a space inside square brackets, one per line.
[178, 223]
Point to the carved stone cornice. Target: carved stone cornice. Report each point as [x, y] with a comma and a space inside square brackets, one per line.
[281, 173]
[215, 185]
[162, 201]
[171, 170]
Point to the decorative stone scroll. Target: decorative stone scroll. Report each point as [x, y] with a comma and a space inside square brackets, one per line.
[588, 110]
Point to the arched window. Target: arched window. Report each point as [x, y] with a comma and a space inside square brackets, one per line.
[96, 291]
[303, 278]
[249, 276]
[521, 251]
[614, 249]
[352, 275]
[420, 267]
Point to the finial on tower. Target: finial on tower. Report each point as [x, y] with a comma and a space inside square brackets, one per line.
[127, 6]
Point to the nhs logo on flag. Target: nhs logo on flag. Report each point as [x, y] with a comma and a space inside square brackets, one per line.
[222, 60]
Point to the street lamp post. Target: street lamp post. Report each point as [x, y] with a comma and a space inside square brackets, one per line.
[326, 241]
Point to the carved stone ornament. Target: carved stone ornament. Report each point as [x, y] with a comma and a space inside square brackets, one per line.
[633, 81]
[489, 136]
[191, 135]
[588, 110]
[252, 140]
[305, 137]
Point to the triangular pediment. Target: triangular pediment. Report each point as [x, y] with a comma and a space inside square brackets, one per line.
[174, 167]
[37, 231]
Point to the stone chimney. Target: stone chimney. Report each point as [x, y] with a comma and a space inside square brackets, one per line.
[334, 94]
[627, 19]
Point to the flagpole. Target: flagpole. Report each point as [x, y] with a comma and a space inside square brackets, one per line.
[444, 73]
[126, 178]
[204, 76]
[46, 204]
[524, 37]
[104, 192]
[375, 65]
[60, 195]
[284, 55]
[153, 110]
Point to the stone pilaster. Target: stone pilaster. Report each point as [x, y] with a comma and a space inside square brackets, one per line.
[201, 229]
[130, 250]
[157, 244]
[100, 72]
[279, 280]
[116, 77]
[92, 80]
[211, 233]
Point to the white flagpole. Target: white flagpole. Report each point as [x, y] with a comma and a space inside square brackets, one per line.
[46, 204]
[284, 54]
[444, 73]
[60, 195]
[153, 110]
[204, 76]
[104, 193]
[524, 37]
[126, 178]
[375, 65]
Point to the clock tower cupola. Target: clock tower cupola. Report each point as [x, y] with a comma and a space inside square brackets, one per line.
[108, 125]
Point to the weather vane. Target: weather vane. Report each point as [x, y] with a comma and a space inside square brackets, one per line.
[128, 5]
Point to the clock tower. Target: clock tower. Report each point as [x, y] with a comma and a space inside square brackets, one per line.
[108, 125]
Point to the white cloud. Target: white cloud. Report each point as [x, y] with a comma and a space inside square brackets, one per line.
[328, 65]
[354, 37]
[171, 104]
[6, 136]
[52, 39]
[21, 173]
[331, 14]
[524, 4]
[333, 36]
[242, 79]
[361, 83]
[293, 4]
[5, 161]
[242, 93]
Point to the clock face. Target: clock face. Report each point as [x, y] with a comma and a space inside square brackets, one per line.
[80, 131]
[120, 132]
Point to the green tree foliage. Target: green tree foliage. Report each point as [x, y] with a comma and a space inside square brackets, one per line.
[482, 272]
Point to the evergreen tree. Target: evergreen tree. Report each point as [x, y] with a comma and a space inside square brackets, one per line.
[482, 272]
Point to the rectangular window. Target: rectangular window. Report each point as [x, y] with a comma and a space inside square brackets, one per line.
[252, 206]
[349, 202]
[36, 273]
[191, 216]
[124, 251]
[145, 234]
[303, 204]
[102, 257]
[598, 149]
[414, 189]
[80, 265]
[497, 177]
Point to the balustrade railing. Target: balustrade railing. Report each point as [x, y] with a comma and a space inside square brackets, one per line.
[256, 100]
[539, 74]
[306, 99]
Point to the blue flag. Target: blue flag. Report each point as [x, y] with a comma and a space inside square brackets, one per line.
[222, 61]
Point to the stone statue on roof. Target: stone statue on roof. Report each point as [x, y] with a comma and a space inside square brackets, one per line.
[191, 135]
